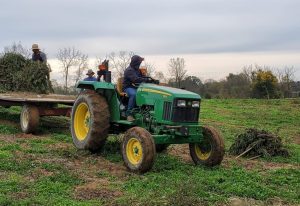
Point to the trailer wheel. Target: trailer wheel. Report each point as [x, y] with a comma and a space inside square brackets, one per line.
[90, 121]
[161, 147]
[29, 118]
[210, 152]
[138, 150]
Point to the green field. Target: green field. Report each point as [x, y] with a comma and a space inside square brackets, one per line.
[46, 169]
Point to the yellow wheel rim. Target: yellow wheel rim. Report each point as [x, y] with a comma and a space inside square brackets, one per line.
[203, 151]
[82, 121]
[134, 151]
[25, 119]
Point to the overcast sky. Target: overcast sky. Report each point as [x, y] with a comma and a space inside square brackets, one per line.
[214, 36]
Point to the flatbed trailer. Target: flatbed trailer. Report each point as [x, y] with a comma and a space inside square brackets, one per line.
[35, 106]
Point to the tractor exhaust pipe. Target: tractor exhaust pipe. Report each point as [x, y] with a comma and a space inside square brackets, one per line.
[108, 76]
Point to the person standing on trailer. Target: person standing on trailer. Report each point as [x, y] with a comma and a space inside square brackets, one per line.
[38, 55]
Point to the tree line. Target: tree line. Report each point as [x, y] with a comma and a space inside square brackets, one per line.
[254, 81]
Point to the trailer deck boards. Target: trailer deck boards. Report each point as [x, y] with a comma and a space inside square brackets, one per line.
[20, 98]
[35, 106]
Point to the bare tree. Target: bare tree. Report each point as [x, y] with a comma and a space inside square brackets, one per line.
[71, 58]
[150, 69]
[160, 76]
[119, 62]
[177, 71]
[288, 74]
[82, 64]
[286, 77]
[17, 48]
[248, 71]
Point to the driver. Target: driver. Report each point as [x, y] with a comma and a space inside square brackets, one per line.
[133, 77]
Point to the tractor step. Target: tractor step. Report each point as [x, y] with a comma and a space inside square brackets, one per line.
[125, 122]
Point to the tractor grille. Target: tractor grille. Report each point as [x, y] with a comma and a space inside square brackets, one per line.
[185, 114]
[167, 110]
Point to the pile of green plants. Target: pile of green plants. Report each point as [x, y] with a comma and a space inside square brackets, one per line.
[20, 74]
[258, 143]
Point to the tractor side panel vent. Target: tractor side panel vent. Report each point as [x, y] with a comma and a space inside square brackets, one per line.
[167, 112]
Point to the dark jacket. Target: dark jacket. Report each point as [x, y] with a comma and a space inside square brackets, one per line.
[39, 57]
[132, 74]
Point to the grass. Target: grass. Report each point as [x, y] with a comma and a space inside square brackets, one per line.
[232, 116]
[46, 169]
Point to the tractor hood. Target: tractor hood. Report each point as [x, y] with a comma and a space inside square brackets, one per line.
[168, 93]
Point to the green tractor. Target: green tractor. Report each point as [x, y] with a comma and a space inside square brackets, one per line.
[163, 116]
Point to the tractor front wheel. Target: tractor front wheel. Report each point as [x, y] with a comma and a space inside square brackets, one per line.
[138, 150]
[90, 121]
[210, 151]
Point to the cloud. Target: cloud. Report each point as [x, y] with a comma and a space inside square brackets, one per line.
[156, 27]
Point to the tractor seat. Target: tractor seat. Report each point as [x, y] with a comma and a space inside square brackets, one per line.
[120, 87]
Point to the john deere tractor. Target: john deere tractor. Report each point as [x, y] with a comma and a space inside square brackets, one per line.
[163, 116]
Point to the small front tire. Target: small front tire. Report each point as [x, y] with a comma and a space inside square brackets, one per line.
[210, 151]
[138, 150]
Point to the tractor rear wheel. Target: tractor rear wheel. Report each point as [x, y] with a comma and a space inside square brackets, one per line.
[138, 150]
[90, 121]
[29, 118]
[210, 151]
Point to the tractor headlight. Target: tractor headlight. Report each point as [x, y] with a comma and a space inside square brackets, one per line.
[195, 103]
[181, 103]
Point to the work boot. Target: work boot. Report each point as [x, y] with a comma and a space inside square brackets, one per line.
[130, 118]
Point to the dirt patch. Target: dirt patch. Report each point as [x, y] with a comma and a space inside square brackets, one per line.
[13, 137]
[23, 135]
[38, 172]
[85, 165]
[86, 170]
[118, 170]
[237, 201]
[296, 140]
[19, 195]
[8, 138]
[97, 189]
[181, 151]
[230, 161]
[3, 175]
[60, 146]
[10, 123]
[50, 160]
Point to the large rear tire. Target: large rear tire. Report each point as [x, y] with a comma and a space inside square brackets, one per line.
[210, 151]
[29, 118]
[90, 121]
[138, 150]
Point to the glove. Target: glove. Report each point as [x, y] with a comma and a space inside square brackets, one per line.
[149, 80]
[155, 81]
